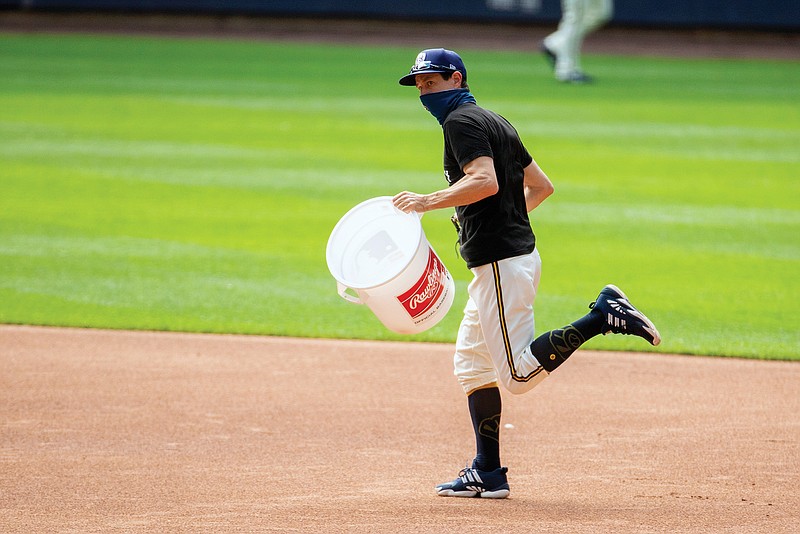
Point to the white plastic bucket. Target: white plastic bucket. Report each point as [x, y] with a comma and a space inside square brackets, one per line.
[382, 255]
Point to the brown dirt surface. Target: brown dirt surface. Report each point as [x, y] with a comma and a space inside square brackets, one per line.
[114, 431]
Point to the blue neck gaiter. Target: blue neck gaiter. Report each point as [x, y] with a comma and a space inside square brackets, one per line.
[442, 103]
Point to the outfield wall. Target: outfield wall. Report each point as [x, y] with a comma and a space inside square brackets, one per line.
[722, 14]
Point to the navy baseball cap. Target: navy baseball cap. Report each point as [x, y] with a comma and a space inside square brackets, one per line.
[434, 60]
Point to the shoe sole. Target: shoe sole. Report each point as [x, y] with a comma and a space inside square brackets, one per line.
[499, 494]
[639, 315]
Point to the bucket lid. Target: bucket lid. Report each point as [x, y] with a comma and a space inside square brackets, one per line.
[373, 243]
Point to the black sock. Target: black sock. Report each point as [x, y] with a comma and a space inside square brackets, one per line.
[554, 347]
[485, 406]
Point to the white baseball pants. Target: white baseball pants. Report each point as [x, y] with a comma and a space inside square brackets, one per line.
[498, 327]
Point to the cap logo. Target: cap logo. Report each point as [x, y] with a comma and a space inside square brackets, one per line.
[420, 63]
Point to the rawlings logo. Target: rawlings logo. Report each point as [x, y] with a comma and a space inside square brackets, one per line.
[434, 281]
[424, 294]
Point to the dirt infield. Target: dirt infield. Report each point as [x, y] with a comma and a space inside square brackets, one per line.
[109, 431]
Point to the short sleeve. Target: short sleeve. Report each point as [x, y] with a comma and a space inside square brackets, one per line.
[466, 140]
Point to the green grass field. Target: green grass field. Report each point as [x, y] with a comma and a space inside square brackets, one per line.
[191, 185]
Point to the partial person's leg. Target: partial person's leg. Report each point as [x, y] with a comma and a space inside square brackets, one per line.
[472, 362]
[553, 348]
[476, 373]
[559, 45]
[504, 293]
[596, 14]
[611, 313]
[566, 42]
[485, 407]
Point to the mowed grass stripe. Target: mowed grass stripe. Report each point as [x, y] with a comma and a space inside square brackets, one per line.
[191, 184]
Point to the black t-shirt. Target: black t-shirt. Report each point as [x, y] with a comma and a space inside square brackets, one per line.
[496, 227]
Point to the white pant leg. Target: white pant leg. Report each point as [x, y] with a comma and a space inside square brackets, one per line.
[578, 18]
[597, 13]
[565, 42]
[472, 362]
[502, 296]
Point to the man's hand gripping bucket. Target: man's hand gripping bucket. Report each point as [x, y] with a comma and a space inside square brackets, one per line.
[380, 257]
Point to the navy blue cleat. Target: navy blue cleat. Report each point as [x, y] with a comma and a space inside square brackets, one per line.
[621, 317]
[473, 482]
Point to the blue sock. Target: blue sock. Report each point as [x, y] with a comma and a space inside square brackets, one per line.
[553, 348]
[485, 406]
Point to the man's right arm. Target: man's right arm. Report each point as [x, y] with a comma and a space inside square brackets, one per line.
[479, 181]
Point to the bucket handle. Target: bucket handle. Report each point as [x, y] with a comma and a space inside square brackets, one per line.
[342, 289]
